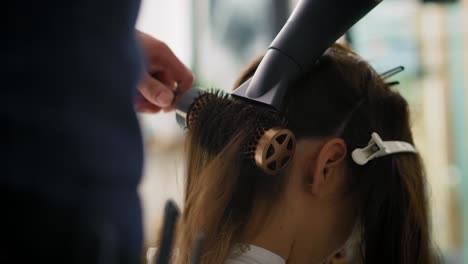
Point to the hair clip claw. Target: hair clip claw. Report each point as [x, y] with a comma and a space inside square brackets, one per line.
[378, 148]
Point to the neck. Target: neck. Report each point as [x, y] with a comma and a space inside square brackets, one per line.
[271, 231]
[274, 229]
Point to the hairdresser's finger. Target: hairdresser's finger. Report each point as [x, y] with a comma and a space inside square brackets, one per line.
[183, 76]
[156, 92]
[144, 106]
[169, 64]
[169, 81]
[175, 72]
[160, 58]
[166, 78]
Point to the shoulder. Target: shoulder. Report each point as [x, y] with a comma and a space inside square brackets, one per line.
[251, 254]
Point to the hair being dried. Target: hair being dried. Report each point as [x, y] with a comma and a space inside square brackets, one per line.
[342, 97]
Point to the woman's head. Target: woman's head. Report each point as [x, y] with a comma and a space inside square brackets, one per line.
[308, 211]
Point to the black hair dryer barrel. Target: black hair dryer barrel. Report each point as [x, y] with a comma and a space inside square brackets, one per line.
[313, 26]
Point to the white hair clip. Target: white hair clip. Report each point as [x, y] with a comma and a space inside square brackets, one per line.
[379, 148]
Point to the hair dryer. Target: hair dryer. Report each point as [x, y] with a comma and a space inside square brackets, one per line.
[312, 27]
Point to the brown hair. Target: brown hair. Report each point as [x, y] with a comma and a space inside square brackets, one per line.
[342, 97]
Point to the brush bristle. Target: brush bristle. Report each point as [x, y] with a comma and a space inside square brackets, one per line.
[216, 118]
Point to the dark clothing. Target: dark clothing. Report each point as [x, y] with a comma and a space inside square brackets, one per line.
[73, 146]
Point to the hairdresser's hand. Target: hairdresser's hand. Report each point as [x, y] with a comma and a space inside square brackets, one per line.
[164, 71]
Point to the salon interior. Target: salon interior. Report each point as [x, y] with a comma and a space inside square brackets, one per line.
[217, 38]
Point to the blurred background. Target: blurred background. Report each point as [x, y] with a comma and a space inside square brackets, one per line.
[217, 38]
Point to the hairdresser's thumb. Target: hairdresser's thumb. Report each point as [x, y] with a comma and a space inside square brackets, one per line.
[164, 98]
[156, 92]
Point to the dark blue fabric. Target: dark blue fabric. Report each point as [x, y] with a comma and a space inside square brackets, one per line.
[73, 144]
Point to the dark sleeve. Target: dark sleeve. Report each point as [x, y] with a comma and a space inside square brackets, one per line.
[73, 145]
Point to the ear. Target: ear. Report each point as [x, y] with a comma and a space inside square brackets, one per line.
[329, 158]
[339, 257]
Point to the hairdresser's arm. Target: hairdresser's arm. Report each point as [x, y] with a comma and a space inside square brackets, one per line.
[164, 71]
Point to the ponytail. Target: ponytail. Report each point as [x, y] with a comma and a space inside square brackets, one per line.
[394, 218]
[392, 189]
